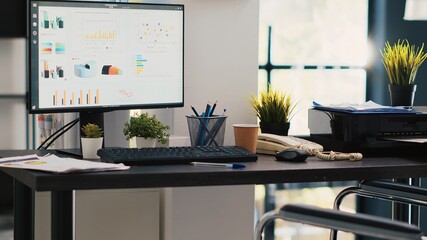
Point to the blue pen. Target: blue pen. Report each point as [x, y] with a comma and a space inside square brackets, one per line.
[206, 123]
[201, 129]
[226, 165]
[207, 110]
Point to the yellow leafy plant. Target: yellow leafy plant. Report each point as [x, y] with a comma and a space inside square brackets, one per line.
[273, 106]
[401, 61]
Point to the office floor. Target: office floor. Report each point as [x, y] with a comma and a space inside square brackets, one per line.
[321, 196]
[6, 226]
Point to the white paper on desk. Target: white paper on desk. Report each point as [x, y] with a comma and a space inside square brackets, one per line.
[411, 139]
[56, 164]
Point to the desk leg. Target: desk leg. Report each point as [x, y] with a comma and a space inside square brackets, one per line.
[62, 227]
[269, 204]
[23, 212]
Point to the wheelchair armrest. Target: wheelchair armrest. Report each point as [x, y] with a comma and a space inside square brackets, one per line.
[360, 224]
[395, 189]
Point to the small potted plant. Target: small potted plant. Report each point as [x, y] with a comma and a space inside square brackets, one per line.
[401, 61]
[147, 129]
[275, 110]
[91, 140]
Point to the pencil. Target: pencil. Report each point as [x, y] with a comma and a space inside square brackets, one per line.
[213, 108]
[194, 110]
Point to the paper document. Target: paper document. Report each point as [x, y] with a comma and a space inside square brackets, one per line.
[411, 139]
[52, 163]
[367, 107]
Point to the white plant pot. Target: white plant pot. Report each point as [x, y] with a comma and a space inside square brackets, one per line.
[145, 142]
[90, 147]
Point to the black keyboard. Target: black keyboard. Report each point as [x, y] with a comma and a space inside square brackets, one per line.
[175, 155]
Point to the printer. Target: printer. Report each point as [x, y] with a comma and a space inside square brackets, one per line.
[368, 132]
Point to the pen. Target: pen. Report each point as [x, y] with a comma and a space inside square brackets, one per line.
[208, 110]
[226, 165]
[202, 127]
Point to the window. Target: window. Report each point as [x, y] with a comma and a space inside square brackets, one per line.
[316, 50]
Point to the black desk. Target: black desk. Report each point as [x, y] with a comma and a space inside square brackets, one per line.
[264, 171]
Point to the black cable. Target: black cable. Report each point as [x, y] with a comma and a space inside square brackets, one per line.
[58, 133]
[65, 130]
[53, 134]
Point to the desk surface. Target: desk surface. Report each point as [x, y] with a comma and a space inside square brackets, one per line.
[265, 170]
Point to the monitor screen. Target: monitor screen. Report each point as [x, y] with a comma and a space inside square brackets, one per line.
[99, 56]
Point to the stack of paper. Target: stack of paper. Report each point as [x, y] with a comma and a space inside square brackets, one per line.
[367, 107]
[52, 163]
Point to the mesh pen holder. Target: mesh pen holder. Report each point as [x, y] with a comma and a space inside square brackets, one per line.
[206, 131]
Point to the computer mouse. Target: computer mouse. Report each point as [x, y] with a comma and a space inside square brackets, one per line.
[292, 155]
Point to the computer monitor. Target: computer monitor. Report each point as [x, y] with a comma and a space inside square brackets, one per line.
[92, 57]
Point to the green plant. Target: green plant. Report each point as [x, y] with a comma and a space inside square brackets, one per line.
[401, 61]
[273, 106]
[146, 126]
[91, 130]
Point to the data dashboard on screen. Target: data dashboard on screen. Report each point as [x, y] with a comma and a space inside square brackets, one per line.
[99, 55]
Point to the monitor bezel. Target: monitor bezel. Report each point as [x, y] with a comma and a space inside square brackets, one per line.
[100, 108]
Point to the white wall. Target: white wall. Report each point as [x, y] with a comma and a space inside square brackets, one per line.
[221, 63]
[208, 213]
[12, 81]
[221, 60]
[12, 65]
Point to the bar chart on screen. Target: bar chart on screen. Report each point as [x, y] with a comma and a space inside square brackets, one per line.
[80, 97]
